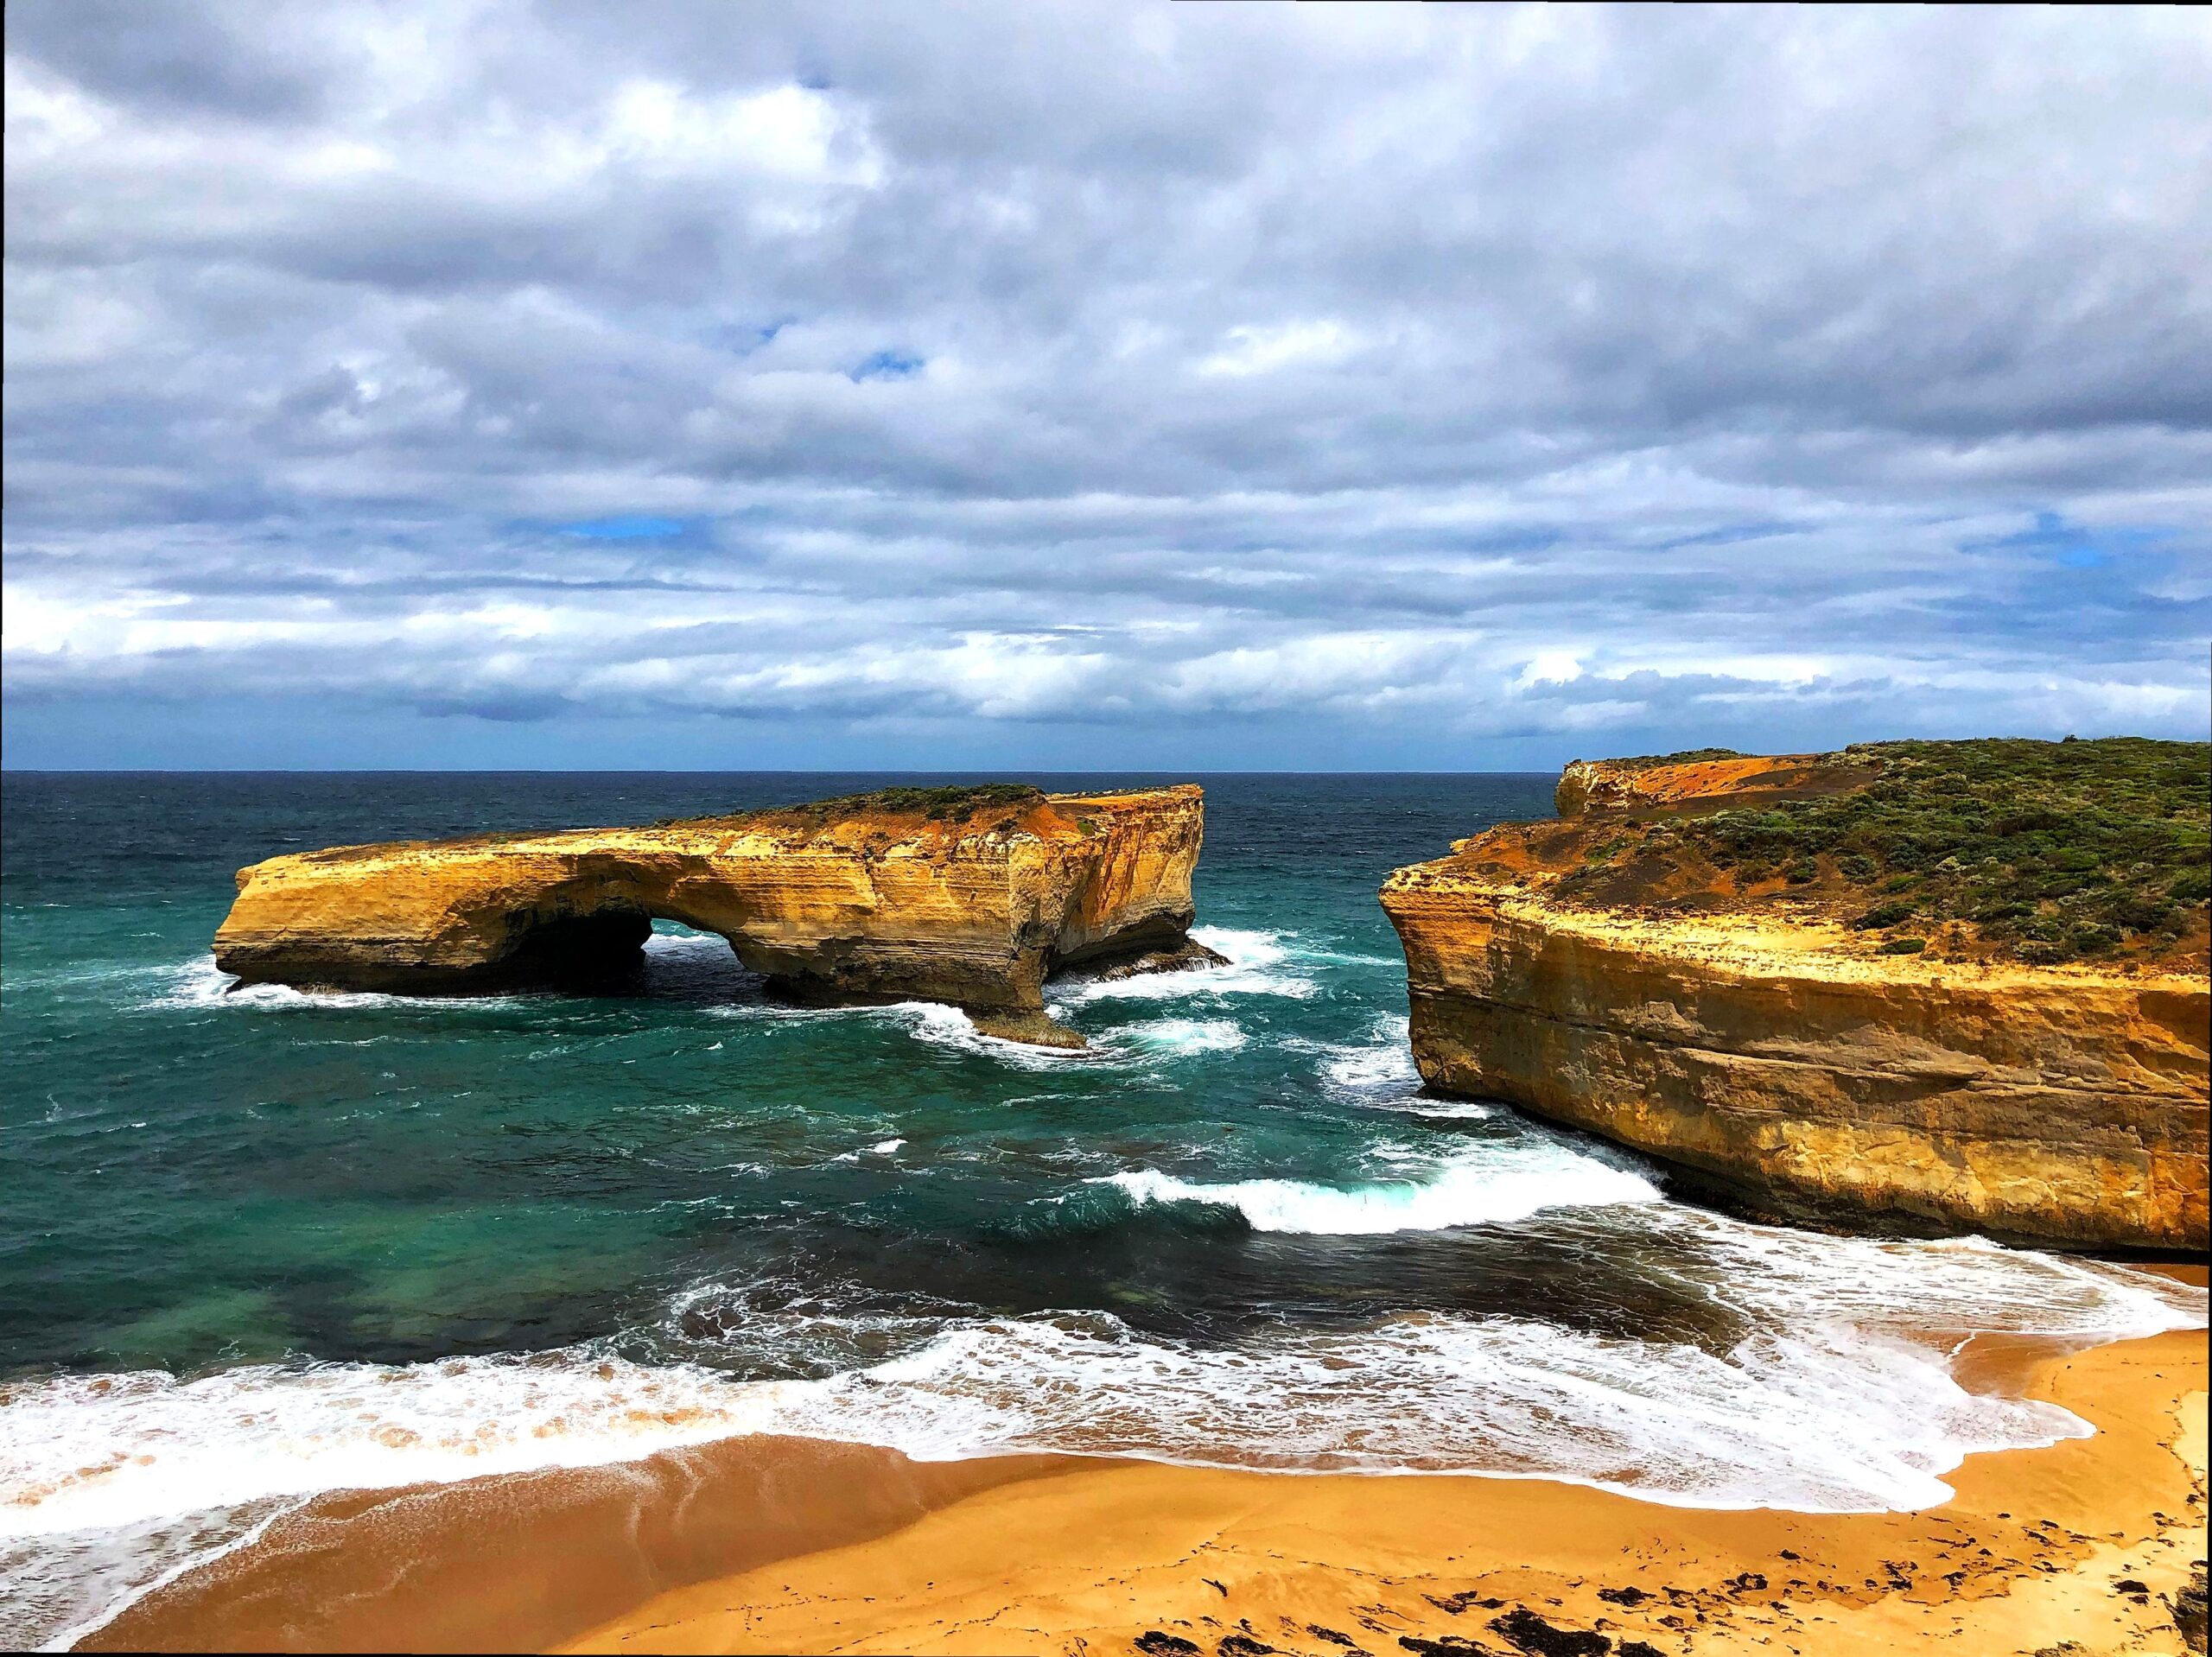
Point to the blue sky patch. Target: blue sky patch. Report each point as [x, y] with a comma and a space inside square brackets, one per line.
[888, 365]
[625, 528]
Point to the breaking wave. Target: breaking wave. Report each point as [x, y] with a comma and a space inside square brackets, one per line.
[1482, 1184]
[1825, 1416]
[111, 1485]
[1260, 963]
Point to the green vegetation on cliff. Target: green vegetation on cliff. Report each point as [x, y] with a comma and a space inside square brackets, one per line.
[2054, 851]
[958, 803]
[1680, 757]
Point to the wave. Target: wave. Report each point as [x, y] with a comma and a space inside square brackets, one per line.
[1385, 1059]
[1825, 1415]
[1482, 1184]
[1256, 967]
[940, 1026]
[1177, 1036]
[1777, 1275]
[64, 1587]
[678, 946]
[935, 1023]
[1442, 1110]
[1823, 1419]
[112, 1484]
[199, 983]
[948, 1027]
[94, 1452]
[880, 1148]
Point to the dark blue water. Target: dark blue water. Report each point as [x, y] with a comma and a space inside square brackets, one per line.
[256, 1245]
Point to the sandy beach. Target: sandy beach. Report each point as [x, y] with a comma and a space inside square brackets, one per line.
[789, 1546]
[2031, 1555]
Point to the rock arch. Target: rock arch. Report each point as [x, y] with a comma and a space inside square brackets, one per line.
[974, 897]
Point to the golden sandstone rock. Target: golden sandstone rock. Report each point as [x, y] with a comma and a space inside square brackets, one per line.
[1756, 1038]
[973, 897]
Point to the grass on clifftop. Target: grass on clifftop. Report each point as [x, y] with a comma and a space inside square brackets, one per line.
[956, 804]
[1681, 757]
[958, 801]
[2054, 851]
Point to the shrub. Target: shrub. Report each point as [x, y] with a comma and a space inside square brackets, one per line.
[2056, 849]
[1887, 914]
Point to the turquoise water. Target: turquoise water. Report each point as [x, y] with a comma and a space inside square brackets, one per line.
[258, 1245]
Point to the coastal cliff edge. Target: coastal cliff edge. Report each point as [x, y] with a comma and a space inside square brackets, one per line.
[1885, 987]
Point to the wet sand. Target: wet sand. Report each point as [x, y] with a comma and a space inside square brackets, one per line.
[2035, 1551]
[523, 1561]
[788, 1545]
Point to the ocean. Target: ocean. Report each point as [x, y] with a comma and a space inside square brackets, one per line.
[262, 1244]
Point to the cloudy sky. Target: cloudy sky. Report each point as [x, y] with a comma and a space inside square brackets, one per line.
[1063, 386]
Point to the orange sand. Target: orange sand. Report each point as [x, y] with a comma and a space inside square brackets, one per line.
[771, 1544]
[1092, 1558]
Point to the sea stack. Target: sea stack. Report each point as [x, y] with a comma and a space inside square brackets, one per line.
[970, 896]
[1925, 986]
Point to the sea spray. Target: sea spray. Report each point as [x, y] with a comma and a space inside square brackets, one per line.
[1482, 1184]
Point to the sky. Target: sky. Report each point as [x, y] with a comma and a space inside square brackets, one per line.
[1066, 386]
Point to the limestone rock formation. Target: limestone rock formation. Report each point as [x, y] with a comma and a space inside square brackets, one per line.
[973, 897]
[1603, 972]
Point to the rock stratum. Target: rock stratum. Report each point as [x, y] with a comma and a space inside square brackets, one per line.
[969, 896]
[1767, 971]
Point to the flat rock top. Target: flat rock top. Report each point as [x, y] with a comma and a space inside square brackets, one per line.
[2087, 857]
[947, 821]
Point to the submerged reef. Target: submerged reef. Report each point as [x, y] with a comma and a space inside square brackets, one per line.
[1921, 985]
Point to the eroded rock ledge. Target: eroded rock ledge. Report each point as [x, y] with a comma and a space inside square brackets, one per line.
[973, 897]
[1593, 972]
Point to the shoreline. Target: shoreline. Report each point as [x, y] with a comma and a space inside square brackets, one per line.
[786, 1545]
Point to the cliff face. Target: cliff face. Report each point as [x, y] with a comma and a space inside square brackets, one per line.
[970, 898]
[1745, 1030]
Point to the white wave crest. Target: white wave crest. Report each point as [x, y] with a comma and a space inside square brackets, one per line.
[1778, 1275]
[88, 1451]
[709, 946]
[1443, 1110]
[1384, 1060]
[200, 983]
[1825, 1419]
[1256, 967]
[63, 1587]
[109, 1485]
[1173, 1036]
[1480, 1184]
[948, 1027]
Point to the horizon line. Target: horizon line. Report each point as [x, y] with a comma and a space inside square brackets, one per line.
[702, 770]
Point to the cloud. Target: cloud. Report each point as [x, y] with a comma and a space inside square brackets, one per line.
[1460, 384]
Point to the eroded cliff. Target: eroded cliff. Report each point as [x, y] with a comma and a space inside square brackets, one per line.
[1722, 961]
[973, 897]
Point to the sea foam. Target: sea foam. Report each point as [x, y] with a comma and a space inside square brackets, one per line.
[1821, 1415]
[1482, 1183]
[200, 983]
[1814, 1410]
[1260, 963]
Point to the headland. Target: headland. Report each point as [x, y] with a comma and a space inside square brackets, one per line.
[1921, 986]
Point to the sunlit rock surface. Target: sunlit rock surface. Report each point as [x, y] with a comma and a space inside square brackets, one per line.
[1746, 1029]
[972, 896]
